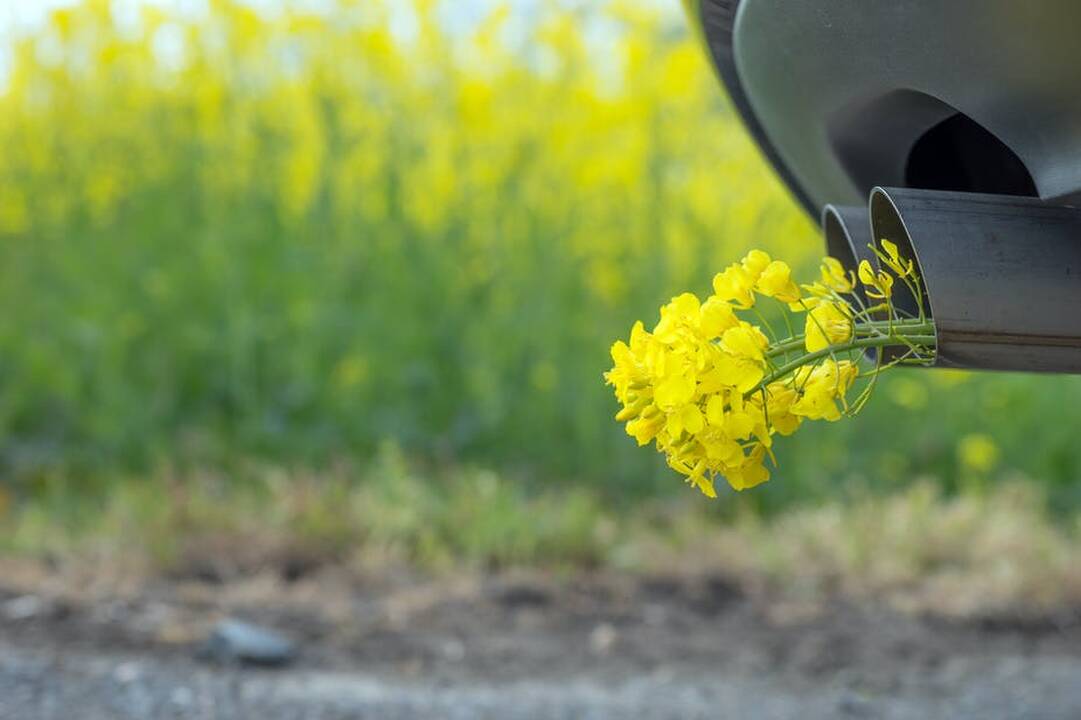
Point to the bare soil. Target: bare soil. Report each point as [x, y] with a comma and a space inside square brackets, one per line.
[517, 645]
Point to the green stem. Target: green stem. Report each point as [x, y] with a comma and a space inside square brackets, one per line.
[855, 344]
[906, 325]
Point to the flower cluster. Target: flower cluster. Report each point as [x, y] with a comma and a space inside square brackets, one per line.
[712, 388]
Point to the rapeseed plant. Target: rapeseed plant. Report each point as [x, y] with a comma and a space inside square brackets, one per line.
[712, 388]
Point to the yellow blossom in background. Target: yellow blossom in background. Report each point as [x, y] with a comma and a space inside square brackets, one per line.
[909, 393]
[978, 453]
[328, 223]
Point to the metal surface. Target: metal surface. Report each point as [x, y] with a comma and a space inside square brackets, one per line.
[715, 20]
[1002, 274]
[847, 230]
[843, 95]
[975, 102]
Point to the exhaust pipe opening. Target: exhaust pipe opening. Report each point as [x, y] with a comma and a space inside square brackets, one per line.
[886, 224]
[847, 230]
[1002, 275]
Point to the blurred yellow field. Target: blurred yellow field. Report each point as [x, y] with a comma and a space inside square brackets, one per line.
[294, 235]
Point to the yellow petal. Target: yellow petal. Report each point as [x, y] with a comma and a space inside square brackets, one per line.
[717, 316]
[814, 338]
[867, 273]
[674, 424]
[890, 248]
[755, 262]
[715, 410]
[739, 425]
[834, 275]
[735, 284]
[744, 342]
[755, 475]
[693, 421]
[674, 390]
[705, 484]
[740, 373]
[723, 450]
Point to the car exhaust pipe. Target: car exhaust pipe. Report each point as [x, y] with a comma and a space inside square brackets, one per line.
[847, 230]
[1001, 274]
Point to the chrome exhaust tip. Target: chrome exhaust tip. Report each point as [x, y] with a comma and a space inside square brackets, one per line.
[1002, 275]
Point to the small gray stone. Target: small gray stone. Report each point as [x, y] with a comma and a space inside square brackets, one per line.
[853, 705]
[24, 607]
[241, 642]
[127, 673]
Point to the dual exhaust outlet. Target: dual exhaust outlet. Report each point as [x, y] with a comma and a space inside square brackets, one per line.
[1001, 274]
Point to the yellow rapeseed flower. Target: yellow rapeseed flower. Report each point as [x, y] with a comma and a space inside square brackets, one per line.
[745, 341]
[877, 285]
[835, 277]
[902, 267]
[828, 323]
[756, 262]
[776, 282]
[823, 386]
[735, 284]
[712, 388]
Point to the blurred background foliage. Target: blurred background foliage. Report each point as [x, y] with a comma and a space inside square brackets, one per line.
[292, 237]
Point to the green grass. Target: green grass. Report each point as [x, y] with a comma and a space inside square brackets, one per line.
[390, 512]
[985, 551]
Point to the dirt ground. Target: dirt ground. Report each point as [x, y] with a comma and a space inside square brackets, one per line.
[517, 645]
